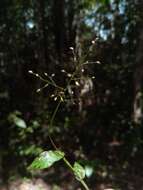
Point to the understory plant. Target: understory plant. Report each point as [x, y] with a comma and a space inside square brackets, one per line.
[74, 83]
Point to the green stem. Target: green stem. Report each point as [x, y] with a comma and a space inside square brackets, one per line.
[54, 114]
[65, 160]
[72, 169]
[51, 82]
[68, 164]
[51, 123]
[84, 185]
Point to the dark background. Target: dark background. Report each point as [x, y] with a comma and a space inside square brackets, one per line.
[103, 129]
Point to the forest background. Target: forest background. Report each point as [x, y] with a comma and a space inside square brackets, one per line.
[100, 122]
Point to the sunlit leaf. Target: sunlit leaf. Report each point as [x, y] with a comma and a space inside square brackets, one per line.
[88, 170]
[79, 171]
[46, 159]
[19, 122]
[16, 119]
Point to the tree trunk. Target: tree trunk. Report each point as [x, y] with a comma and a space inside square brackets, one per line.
[41, 51]
[138, 75]
[59, 28]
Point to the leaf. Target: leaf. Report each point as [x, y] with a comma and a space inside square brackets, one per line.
[46, 159]
[19, 122]
[14, 118]
[88, 170]
[79, 171]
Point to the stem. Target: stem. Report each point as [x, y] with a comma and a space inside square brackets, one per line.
[72, 169]
[52, 142]
[68, 164]
[84, 185]
[51, 124]
[51, 82]
[54, 114]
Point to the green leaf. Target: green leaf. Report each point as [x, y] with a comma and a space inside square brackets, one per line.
[79, 171]
[14, 118]
[19, 122]
[88, 170]
[46, 159]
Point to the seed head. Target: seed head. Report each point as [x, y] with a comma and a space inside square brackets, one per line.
[30, 71]
[77, 83]
[98, 62]
[55, 98]
[45, 74]
[82, 70]
[71, 48]
[53, 74]
[93, 41]
[69, 75]
[38, 90]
